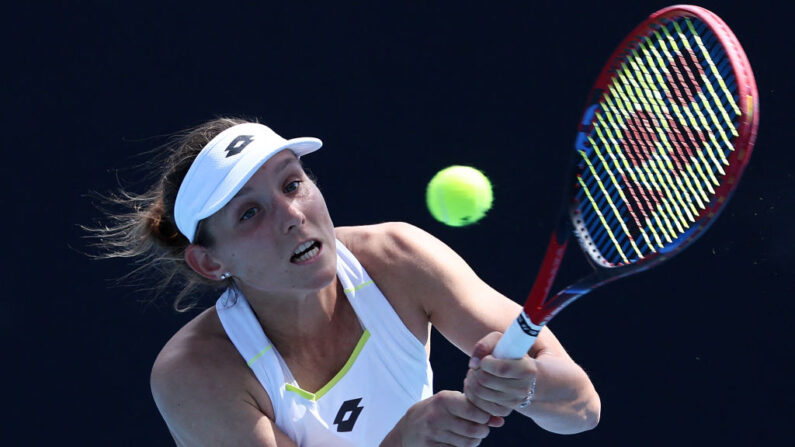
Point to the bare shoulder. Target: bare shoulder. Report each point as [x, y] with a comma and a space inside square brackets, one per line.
[195, 358]
[425, 271]
[393, 252]
[199, 376]
[386, 244]
[390, 254]
[193, 353]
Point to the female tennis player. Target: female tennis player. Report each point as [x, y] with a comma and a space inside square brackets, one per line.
[321, 334]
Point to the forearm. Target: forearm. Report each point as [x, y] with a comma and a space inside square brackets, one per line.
[565, 400]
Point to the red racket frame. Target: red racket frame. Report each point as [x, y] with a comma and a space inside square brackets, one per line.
[538, 308]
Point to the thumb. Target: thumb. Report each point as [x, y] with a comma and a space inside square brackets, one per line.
[484, 347]
[496, 421]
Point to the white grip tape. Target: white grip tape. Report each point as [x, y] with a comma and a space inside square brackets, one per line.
[516, 341]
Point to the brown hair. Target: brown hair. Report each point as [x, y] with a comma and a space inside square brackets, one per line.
[145, 229]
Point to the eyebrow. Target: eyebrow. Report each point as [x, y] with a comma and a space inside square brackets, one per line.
[284, 163]
[242, 191]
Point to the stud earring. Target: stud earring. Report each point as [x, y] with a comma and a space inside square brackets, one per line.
[226, 276]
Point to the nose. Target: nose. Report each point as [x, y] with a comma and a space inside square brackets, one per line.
[292, 216]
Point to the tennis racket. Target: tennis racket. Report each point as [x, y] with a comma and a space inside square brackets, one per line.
[667, 131]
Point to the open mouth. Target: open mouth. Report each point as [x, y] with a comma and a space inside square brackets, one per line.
[306, 251]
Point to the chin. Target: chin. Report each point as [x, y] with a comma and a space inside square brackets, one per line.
[328, 272]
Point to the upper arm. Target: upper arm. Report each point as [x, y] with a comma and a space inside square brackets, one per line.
[456, 301]
[204, 406]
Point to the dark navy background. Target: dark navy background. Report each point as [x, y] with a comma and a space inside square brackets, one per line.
[696, 352]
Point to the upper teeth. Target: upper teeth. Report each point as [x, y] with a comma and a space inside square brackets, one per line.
[303, 247]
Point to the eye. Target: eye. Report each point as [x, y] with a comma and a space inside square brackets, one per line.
[249, 213]
[292, 186]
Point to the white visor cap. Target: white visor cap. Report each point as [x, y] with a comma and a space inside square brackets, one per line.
[225, 164]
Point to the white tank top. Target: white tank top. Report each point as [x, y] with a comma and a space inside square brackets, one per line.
[387, 372]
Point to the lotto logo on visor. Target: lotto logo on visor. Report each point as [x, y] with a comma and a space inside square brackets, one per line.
[238, 144]
[224, 165]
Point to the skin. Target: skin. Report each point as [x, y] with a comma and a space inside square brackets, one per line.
[208, 396]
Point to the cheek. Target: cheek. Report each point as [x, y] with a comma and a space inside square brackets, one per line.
[318, 205]
[241, 256]
[259, 264]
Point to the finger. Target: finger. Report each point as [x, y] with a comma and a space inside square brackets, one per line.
[501, 384]
[507, 396]
[468, 429]
[474, 387]
[508, 368]
[484, 347]
[448, 438]
[497, 398]
[489, 407]
[467, 424]
[460, 407]
[496, 421]
[489, 401]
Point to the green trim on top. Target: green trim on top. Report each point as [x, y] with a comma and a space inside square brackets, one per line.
[327, 387]
[305, 394]
[261, 353]
[353, 289]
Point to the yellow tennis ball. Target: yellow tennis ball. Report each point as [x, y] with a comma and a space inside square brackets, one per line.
[459, 196]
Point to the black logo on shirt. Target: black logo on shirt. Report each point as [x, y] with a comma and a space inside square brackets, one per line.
[349, 412]
[238, 144]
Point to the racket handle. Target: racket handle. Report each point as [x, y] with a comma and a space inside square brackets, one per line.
[517, 339]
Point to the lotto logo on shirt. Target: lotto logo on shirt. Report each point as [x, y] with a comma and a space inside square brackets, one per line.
[347, 415]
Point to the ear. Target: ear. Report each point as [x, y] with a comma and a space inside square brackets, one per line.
[202, 262]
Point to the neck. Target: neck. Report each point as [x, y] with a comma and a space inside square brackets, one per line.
[302, 320]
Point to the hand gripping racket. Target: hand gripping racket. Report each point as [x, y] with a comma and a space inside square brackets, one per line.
[667, 131]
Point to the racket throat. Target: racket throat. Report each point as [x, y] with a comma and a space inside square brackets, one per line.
[536, 300]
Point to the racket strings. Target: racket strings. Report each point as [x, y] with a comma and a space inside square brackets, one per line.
[659, 141]
[696, 110]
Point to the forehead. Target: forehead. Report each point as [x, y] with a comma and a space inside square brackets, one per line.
[271, 169]
[275, 165]
[280, 160]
